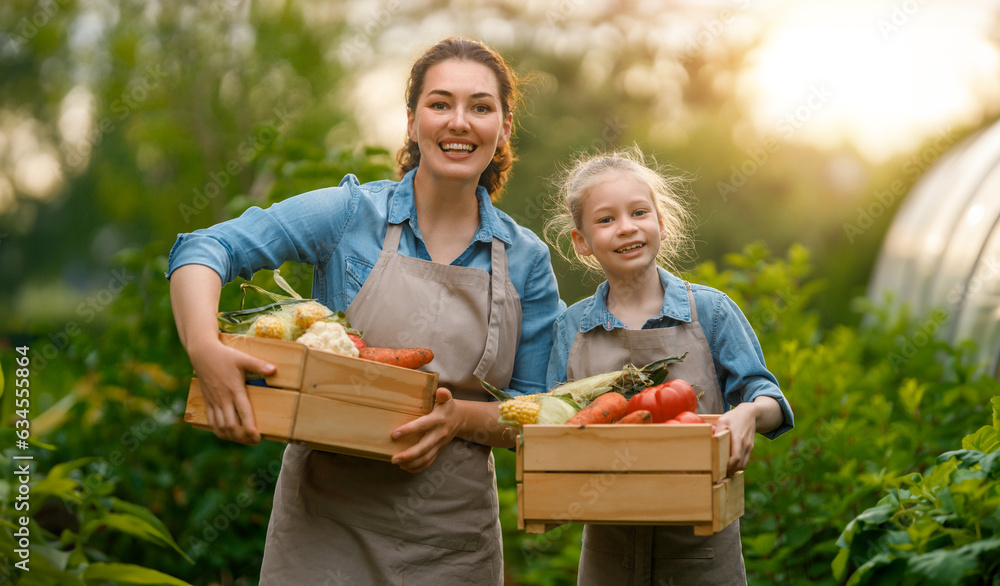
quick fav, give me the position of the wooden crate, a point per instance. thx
(638, 474)
(327, 401)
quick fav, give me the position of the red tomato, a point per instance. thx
(688, 417)
(358, 342)
(687, 392)
(665, 401)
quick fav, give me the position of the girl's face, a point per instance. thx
(620, 227)
(458, 122)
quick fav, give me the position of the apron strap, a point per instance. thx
(498, 289)
(694, 308)
(643, 553)
(498, 280)
(389, 246)
(391, 241)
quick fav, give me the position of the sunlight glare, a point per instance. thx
(891, 78)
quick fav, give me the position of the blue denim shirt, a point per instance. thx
(738, 358)
(339, 230)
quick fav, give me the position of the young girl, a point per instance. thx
(621, 217)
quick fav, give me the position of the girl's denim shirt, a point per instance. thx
(340, 230)
(738, 358)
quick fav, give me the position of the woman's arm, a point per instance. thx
(194, 297)
(474, 421)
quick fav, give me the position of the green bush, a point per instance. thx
(942, 527)
(871, 403)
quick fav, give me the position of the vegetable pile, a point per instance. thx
(308, 322)
(630, 395)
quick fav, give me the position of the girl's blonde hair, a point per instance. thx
(666, 189)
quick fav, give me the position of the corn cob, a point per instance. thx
(309, 313)
(519, 411)
(270, 326)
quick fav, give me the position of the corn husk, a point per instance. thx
(295, 312)
(628, 381)
(567, 399)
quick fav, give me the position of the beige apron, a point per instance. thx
(346, 520)
(633, 555)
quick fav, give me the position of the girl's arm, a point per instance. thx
(744, 421)
(194, 297)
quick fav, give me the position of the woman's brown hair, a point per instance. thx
(498, 171)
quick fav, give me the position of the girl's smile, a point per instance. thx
(619, 227)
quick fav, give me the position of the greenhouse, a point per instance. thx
(941, 255)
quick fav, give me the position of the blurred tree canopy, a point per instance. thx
(125, 123)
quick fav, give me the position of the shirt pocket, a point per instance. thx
(357, 273)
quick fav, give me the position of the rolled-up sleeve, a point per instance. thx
(739, 361)
(266, 238)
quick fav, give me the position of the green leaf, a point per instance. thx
(881, 569)
(942, 566)
(967, 457)
(839, 564)
(127, 574)
(911, 393)
(135, 526)
(146, 515)
(876, 515)
(986, 439)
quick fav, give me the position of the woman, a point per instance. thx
(423, 261)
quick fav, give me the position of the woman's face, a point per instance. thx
(458, 122)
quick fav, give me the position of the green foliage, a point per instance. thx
(57, 526)
(870, 403)
(942, 527)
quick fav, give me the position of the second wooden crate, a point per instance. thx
(645, 474)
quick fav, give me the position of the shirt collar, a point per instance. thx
(676, 304)
(403, 208)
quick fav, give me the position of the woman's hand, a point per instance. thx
(436, 429)
(221, 372)
(743, 422)
(194, 298)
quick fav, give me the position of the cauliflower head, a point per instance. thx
(329, 336)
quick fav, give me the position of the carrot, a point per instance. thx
(640, 416)
(606, 408)
(405, 357)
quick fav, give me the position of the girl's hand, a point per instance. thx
(221, 374)
(741, 421)
(436, 429)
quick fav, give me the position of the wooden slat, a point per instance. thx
(720, 455)
(288, 357)
(519, 461)
(621, 498)
(337, 426)
(363, 382)
(273, 410)
(727, 504)
(621, 448)
(520, 507)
